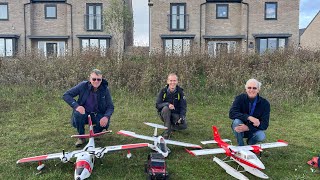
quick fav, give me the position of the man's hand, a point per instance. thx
(171, 106)
(104, 121)
(81, 110)
(241, 128)
(255, 121)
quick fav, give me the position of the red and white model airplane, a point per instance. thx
(85, 157)
(160, 144)
(243, 155)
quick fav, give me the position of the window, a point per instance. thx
(7, 47)
(177, 46)
(216, 48)
(4, 15)
(52, 48)
(95, 44)
(270, 11)
(50, 11)
(222, 11)
(94, 17)
(271, 44)
(177, 17)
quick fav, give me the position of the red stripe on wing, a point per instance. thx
(132, 146)
(30, 159)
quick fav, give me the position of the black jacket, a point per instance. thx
(240, 110)
(176, 98)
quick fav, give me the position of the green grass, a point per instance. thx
(35, 121)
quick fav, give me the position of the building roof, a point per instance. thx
(310, 22)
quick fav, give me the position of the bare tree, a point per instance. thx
(118, 20)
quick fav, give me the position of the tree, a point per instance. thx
(118, 20)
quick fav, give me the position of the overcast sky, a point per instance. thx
(308, 9)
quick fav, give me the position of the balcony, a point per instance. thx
(178, 22)
(93, 22)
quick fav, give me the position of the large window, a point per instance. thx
(178, 47)
(95, 44)
(271, 10)
(52, 48)
(94, 17)
(7, 47)
(270, 44)
(50, 11)
(217, 48)
(4, 15)
(222, 11)
(178, 17)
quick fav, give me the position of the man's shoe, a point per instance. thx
(80, 142)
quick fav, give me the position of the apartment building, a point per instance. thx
(310, 38)
(55, 27)
(213, 26)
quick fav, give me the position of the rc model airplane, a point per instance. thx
(85, 157)
(160, 144)
(243, 155)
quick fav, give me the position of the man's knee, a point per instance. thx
(235, 123)
(260, 136)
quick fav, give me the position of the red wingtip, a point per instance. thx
(190, 152)
(280, 140)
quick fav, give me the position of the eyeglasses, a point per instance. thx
(96, 79)
(254, 88)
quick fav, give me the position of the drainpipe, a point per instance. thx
(25, 28)
(201, 25)
(247, 39)
(71, 28)
(150, 4)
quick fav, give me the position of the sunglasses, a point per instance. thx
(254, 88)
(96, 79)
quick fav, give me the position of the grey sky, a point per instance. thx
(308, 9)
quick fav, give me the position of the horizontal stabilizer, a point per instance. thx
(230, 170)
(155, 125)
(91, 134)
(213, 141)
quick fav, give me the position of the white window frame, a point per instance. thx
(212, 46)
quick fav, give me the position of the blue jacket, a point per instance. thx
(105, 104)
(177, 99)
(240, 110)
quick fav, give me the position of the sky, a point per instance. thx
(308, 9)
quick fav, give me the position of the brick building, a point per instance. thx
(214, 26)
(310, 38)
(55, 27)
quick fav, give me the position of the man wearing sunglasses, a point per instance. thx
(94, 99)
(250, 114)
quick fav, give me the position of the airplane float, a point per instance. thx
(160, 144)
(245, 156)
(85, 157)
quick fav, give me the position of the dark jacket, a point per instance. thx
(240, 110)
(176, 98)
(105, 104)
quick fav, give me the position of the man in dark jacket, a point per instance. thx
(172, 106)
(250, 114)
(94, 99)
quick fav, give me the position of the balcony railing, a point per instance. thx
(93, 22)
(178, 22)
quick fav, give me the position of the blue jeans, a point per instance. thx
(253, 138)
(79, 120)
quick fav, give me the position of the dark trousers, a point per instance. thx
(79, 121)
(170, 120)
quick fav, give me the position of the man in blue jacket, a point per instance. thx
(172, 106)
(250, 114)
(94, 99)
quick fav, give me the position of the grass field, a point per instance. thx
(35, 121)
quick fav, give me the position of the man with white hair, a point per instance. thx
(250, 114)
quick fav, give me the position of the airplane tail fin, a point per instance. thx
(91, 133)
(216, 135)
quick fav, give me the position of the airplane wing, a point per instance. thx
(49, 156)
(280, 143)
(132, 134)
(121, 147)
(178, 143)
(206, 151)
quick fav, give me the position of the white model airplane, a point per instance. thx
(160, 144)
(243, 155)
(85, 157)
